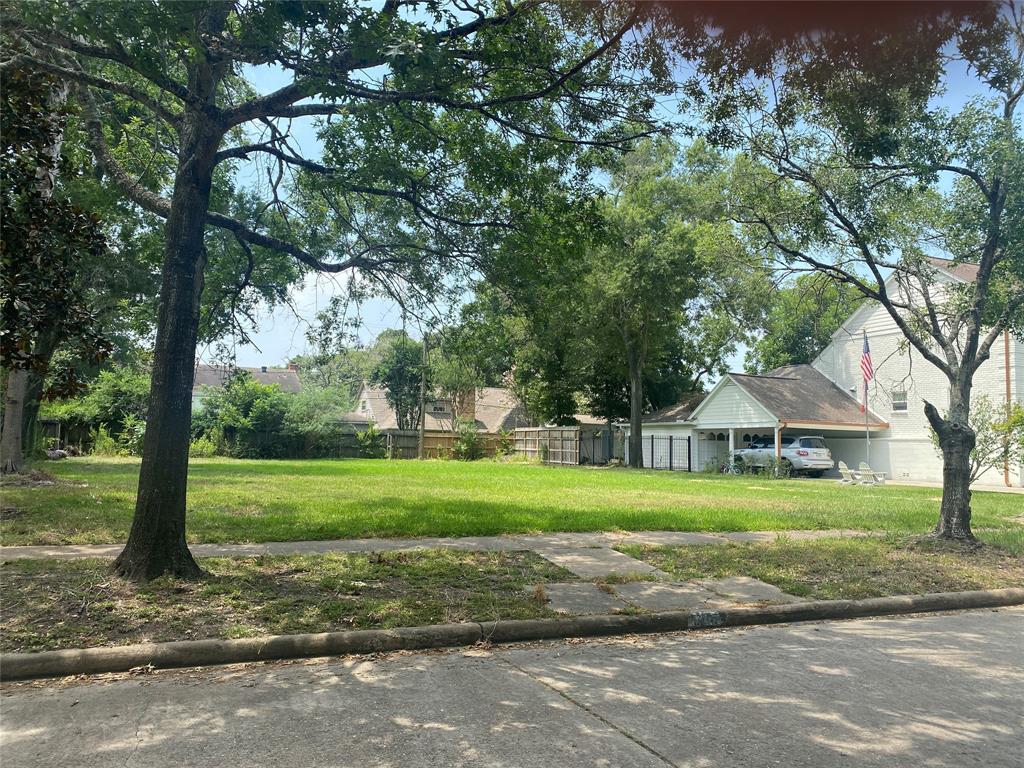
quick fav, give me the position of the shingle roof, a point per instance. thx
(677, 412)
(966, 272)
(496, 409)
(207, 375)
(801, 393)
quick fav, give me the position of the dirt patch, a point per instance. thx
(34, 478)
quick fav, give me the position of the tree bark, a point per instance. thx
(156, 544)
(636, 408)
(956, 440)
(11, 449)
(46, 346)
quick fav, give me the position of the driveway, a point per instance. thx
(937, 690)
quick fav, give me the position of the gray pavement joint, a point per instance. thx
(591, 712)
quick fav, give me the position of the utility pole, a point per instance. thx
(423, 400)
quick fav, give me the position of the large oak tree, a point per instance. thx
(439, 125)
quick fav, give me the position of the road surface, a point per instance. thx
(937, 690)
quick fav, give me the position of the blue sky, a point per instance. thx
(281, 334)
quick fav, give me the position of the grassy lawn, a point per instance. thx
(251, 501)
(829, 569)
(75, 604)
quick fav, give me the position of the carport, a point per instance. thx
(793, 400)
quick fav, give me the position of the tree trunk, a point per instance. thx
(46, 345)
(956, 440)
(636, 409)
(11, 452)
(156, 544)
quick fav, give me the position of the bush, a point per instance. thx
(372, 442)
(469, 443)
(103, 444)
(245, 419)
(775, 469)
(115, 401)
(202, 448)
(133, 433)
(504, 445)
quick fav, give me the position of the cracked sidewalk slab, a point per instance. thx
(744, 589)
(658, 596)
(598, 562)
(581, 598)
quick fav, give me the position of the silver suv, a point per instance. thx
(808, 454)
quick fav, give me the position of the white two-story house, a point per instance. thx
(824, 399)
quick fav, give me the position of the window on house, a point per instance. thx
(438, 409)
(899, 400)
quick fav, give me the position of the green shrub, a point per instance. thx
(373, 443)
(775, 469)
(202, 448)
(504, 445)
(469, 442)
(103, 444)
(133, 432)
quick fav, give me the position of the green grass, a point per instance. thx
(250, 501)
(829, 569)
(74, 604)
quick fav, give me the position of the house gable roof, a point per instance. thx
(677, 412)
(709, 398)
(497, 409)
(207, 375)
(802, 394)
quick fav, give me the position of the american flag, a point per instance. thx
(867, 369)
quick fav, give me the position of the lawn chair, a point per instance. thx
(869, 476)
(849, 476)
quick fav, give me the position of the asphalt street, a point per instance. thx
(933, 691)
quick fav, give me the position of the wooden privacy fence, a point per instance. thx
(563, 445)
(404, 444)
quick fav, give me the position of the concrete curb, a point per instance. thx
(195, 653)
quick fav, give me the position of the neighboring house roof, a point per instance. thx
(801, 394)
(207, 375)
(495, 408)
(966, 272)
(354, 418)
(677, 412)
(586, 420)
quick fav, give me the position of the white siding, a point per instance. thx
(729, 406)
(905, 450)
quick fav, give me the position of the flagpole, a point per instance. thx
(868, 373)
(867, 431)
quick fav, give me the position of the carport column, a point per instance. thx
(778, 442)
(732, 444)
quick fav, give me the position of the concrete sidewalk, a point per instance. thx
(549, 542)
(943, 690)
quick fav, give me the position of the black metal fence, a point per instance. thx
(668, 452)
